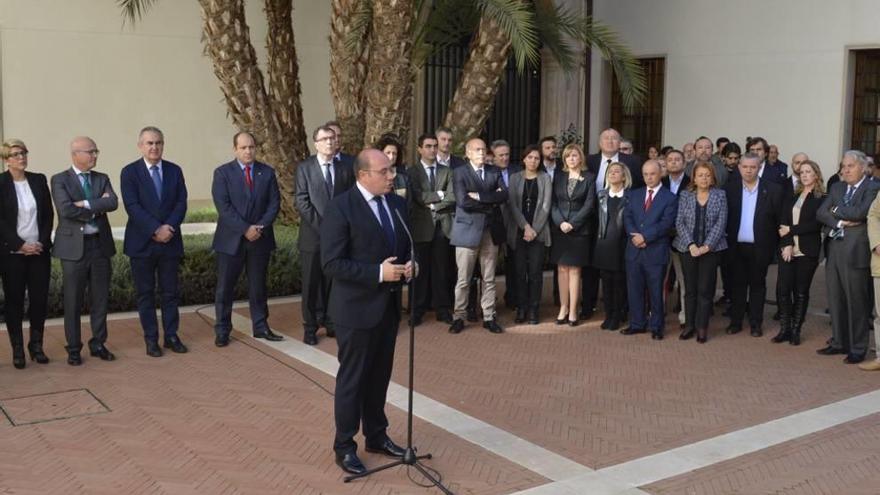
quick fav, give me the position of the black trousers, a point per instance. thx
(315, 291)
(795, 278)
(229, 269)
(31, 274)
(144, 272)
(614, 294)
(366, 356)
(589, 289)
(700, 275)
(529, 262)
(749, 272)
(433, 286)
(511, 277)
(726, 275)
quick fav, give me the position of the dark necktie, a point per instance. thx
(247, 177)
(157, 180)
(431, 179)
(482, 177)
(87, 192)
(850, 190)
(328, 179)
(650, 200)
(385, 220)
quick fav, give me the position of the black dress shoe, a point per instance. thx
(657, 335)
(757, 332)
(351, 464)
(493, 326)
(388, 447)
(268, 335)
(854, 358)
(585, 315)
(103, 353)
(221, 340)
(574, 323)
(416, 320)
(686, 334)
(830, 351)
(37, 354)
(613, 325)
(18, 357)
(309, 338)
(175, 345)
(605, 324)
(457, 326)
(330, 332)
(153, 349)
(520, 316)
(561, 321)
(445, 317)
(74, 359)
(632, 331)
(533, 317)
(733, 329)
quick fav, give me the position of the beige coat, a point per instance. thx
(874, 235)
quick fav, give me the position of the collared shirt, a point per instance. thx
(427, 167)
(26, 225)
(655, 189)
(674, 185)
(374, 207)
(88, 228)
(442, 160)
(618, 194)
(505, 174)
(551, 170)
(761, 170)
(150, 171)
(854, 190)
(747, 213)
(603, 166)
(324, 163)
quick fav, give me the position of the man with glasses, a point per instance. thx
(84, 243)
(340, 156)
(318, 179)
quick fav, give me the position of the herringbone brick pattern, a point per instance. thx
(238, 420)
(836, 461)
(601, 398)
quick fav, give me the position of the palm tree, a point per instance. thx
(274, 116)
(349, 54)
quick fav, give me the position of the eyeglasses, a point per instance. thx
(89, 152)
(18, 154)
(385, 171)
(328, 139)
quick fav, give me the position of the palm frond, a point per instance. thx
(627, 70)
(362, 20)
(558, 27)
(441, 24)
(134, 10)
(517, 19)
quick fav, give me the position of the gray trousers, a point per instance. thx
(92, 271)
(849, 301)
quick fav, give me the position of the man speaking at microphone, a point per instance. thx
(366, 251)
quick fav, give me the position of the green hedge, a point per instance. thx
(207, 214)
(198, 274)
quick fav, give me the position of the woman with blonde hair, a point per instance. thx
(611, 242)
(574, 202)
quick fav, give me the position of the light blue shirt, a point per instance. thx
(747, 216)
(374, 207)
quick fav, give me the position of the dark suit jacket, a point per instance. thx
(654, 225)
(473, 216)
(855, 239)
(353, 247)
(685, 180)
(808, 229)
(768, 214)
(777, 173)
(310, 197)
(67, 190)
(238, 208)
(456, 161)
(632, 162)
(579, 209)
(346, 161)
(146, 212)
(9, 238)
(422, 218)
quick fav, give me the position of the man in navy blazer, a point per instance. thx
(154, 195)
(246, 196)
(648, 218)
(365, 250)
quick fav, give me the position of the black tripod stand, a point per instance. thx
(409, 457)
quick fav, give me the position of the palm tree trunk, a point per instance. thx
(227, 43)
(348, 71)
(472, 103)
(389, 75)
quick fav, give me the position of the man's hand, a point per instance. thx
(474, 196)
(410, 270)
(565, 227)
(638, 240)
(392, 272)
(253, 233)
(105, 195)
(163, 234)
(529, 234)
(849, 223)
(784, 230)
(79, 204)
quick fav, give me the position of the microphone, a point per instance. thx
(412, 245)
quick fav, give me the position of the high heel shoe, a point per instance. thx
(36, 353)
(574, 323)
(686, 334)
(18, 357)
(562, 320)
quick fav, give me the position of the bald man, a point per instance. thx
(84, 243)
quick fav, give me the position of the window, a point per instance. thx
(643, 125)
(866, 102)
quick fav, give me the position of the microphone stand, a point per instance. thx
(409, 457)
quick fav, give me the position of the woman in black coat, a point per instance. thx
(26, 218)
(800, 234)
(611, 243)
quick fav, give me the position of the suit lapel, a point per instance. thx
(318, 176)
(144, 176)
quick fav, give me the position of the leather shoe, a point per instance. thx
(153, 349)
(37, 354)
(686, 334)
(657, 335)
(74, 359)
(520, 316)
(388, 447)
(351, 464)
(309, 338)
(632, 331)
(268, 335)
(872, 366)
(416, 320)
(103, 353)
(757, 332)
(330, 332)
(493, 326)
(733, 329)
(175, 345)
(854, 358)
(830, 351)
(445, 317)
(457, 326)
(221, 340)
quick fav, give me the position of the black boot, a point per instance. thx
(520, 315)
(17, 341)
(799, 313)
(533, 315)
(35, 346)
(785, 314)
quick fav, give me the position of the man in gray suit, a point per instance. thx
(84, 243)
(318, 179)
(848, 268)
(431, 223)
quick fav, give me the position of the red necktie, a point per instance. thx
(649, 200)
(247, 177)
